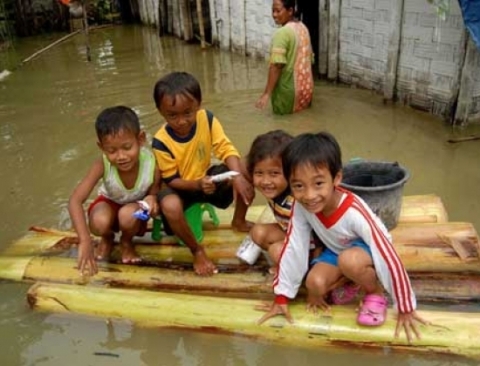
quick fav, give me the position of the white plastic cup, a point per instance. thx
(248, 251)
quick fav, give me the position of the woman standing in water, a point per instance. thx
(290, 79)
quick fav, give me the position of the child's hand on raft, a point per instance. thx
(206, 185)
(317, 302)
(86, 263)
(273, 310)
(202, 265)
(244, 188)
(407, 321)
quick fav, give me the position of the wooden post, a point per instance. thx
(200, 23)
(393, 49)
(323, 38)
(466, 84)
(333, 39)
(85, 29)
(213, 21)
(186, 20)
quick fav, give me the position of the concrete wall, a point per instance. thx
(363, 42)
(400, 48)
(432, 54)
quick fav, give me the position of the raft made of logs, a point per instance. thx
(440, 256)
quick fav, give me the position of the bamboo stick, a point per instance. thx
(439, 287)
(60, 40)
(450, 332)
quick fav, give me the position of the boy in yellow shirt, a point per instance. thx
(183, 148)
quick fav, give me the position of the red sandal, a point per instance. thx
(373, 310)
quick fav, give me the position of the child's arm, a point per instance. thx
(293, 263)
(240, 182)
(151, 197)
(75, 208)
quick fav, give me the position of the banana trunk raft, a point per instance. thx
(448, 333)
(441, 257)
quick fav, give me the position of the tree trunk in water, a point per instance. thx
(449, 332)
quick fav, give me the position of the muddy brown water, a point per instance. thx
(47, 110)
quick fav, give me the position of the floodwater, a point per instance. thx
(47, 110)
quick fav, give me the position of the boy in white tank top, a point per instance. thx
(128, 173)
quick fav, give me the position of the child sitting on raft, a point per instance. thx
(183, 147)
(358, 246)
(128, 174)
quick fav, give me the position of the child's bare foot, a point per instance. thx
(242, 226)
(129, 255)
(104, 249)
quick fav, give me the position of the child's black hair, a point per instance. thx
(177, 83)
(267, 145)
(317, 150)
(115, 119)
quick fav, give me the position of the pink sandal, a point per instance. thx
(373, 311)
(344, 294)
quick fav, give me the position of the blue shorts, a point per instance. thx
(330, 257)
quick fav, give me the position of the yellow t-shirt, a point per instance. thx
(189, 157)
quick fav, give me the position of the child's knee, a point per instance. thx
(316, 284)
(257, 233)
(353, 260)
(100, 225)
(171, 205)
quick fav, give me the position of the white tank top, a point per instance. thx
(112, 186)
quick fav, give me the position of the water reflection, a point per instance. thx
(47, 109)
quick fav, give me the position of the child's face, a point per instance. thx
(122, 149)
(314, 188)
(180, 113)
(268, 177)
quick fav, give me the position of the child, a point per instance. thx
(264, 164)
(358, 245)
(128, 173)
(183, 148)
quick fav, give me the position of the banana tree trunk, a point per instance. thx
(422, 247)
(449, 332)
(439, 287)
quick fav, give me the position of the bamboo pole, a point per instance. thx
(60, 40)
(449, 332)
(201, 24)
(243, 282)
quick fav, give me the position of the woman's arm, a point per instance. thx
(274, 72)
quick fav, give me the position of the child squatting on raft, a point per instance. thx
(264, 164)
(358, 246)
(183, 148)
(128, 174)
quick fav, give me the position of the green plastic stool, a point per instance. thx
(194, 217)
